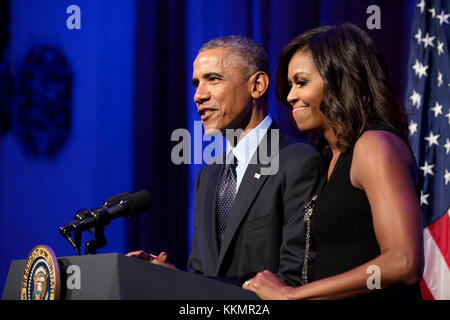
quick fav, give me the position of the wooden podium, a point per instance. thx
(117, 277)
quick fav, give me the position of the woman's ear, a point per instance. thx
(259, 82)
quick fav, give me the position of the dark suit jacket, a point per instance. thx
(266, 228)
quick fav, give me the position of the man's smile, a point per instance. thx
(206, 112)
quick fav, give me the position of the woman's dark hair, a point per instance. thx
(356, 89)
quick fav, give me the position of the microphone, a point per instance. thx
(121, 205)
(84, 213)
(114, 200)
(128, 205)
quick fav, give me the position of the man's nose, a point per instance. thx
(201, 94)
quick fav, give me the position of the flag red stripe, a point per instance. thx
(426, 293)
(440, 231)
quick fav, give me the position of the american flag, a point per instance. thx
(428, 108)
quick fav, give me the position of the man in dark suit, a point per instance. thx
(248, 207)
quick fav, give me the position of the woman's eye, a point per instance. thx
(298, 83)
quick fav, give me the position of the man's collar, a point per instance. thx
(247, 146)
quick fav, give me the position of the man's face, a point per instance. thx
(222, 93)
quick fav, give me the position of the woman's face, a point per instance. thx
(306, 92)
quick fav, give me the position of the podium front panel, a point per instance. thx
(117, 277)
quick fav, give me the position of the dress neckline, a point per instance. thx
(334, 169)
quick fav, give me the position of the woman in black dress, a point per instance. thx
(366, 228)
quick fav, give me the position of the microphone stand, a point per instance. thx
(99, 241)
(95, 220)
(75, 241)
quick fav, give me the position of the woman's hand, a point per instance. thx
(267, 286)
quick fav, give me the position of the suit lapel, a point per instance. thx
(210, 213)
(250, 185)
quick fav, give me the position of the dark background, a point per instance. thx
(131, 66)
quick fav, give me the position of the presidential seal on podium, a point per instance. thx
(41, 278)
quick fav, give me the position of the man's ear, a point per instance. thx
(259, 83)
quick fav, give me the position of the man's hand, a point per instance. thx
(161, 259)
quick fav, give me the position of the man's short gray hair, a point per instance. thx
(254, 56)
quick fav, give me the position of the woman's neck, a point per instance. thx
(332, 141)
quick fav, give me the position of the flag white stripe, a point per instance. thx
(436, 272)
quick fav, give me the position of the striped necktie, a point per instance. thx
(225, 194)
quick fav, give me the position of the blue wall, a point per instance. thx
(38, 194)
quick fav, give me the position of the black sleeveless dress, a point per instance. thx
(342, 229)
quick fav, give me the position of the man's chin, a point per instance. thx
(213, 132)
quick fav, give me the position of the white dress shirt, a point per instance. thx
(246, 147)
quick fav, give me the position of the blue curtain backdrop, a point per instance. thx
(131, 64)
(39, 193)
